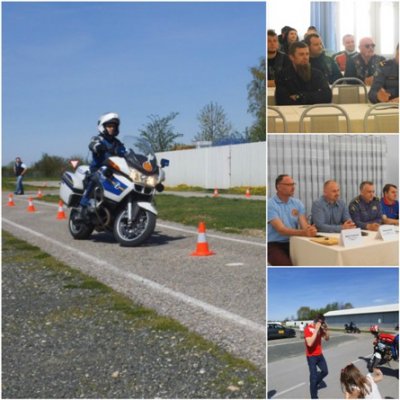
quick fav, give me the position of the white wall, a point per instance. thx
(217, 167)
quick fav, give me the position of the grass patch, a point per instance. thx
(256, 190)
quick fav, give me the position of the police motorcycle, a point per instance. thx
(383, 348)
(122, 198)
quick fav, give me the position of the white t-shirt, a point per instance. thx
(374, 394)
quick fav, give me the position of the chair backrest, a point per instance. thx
(275, 114)
(385, 117)
(324, 123)
(349, 93)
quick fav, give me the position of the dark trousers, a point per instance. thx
(279, 254)
(316, 376)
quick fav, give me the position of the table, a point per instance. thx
(356, 114)
(271, 95)
(372, 252)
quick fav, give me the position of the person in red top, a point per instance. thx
(313, 334)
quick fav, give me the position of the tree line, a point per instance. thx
(305, 313)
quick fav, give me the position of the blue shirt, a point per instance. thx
(329, 217)
(288, 213)
(363, 213)
(390, 210)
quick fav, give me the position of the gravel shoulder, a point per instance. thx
(65, 335)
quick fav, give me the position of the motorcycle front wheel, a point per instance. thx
(139, 231)
(373, 362)
(78, 229)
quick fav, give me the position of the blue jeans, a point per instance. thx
(315, 376)
(20, 187)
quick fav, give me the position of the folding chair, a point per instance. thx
(385, 117)
(350, 93)
(272, 125)
(324, 123)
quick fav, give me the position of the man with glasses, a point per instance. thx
(286, 217)
(364, 64)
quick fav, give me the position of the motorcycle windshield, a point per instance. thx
(140, 155)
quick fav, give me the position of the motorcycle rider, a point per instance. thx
(102, 147)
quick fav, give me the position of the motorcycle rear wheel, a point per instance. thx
(139, 232)
(78, 229)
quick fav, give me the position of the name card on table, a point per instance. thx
(386, 232)
(350, 237)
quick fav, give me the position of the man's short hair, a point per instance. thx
(346, 36)
(296, 45)
(387, 187)
(362, 184)
(307, 39)
(328, 182)
(312, 27)
(279, 179)
(271, 32)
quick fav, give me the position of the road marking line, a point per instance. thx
(238, 264)
(289, 390)
(216, 311)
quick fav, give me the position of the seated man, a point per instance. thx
(349, 50)
(364, 64)
(329, 212)
(319, 60)
(286, 217)
(365, 209)
(276, 59)
(390, 205)
(299, 83)
(385, 87)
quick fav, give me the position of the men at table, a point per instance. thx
(385, 87)
(349, 50)
(286, 217)
(319, 60)
(390, 205)
(329, 213)
(276, 59)
(365, 209)
(299, 83)
(364, 65)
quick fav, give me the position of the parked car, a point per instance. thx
(276, 331)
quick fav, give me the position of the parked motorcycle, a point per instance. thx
(122, 198)
(383, 348)
(351, 328)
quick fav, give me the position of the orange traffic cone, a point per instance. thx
(216, 194)
(39, 194)
(202, 245)
(31, 207)
(10, 200)
(61, 213)
(247, 193)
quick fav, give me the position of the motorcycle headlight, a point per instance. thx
(142, 179)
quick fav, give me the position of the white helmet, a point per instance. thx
(108, 118)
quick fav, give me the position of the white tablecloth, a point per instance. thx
(271, 95)
(356, 114)
(372, 252)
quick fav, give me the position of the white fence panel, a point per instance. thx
(217, 167)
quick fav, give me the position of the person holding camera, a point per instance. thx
(313, 334)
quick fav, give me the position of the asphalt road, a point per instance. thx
(288, 376)
(221, 297)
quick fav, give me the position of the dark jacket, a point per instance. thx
(103, 147)
(356, 67)
(327, 66)
(276, 64)
(386, 77)
(288, 83)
